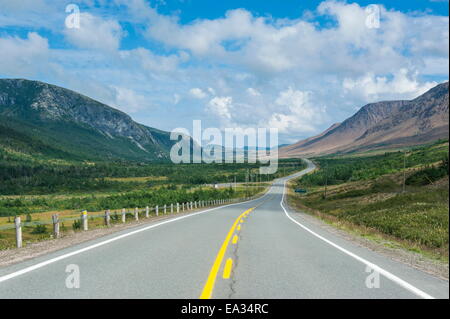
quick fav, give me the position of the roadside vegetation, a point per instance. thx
(36, 186)
(402, 198)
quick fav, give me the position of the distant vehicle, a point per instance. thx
(300, 190)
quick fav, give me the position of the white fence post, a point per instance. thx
(157, 210)
(147, 211)
(18, 231)
(171, 208)
(124, 215)
(178, 207)
(108, 218)
(84, 220)
(55, 220)
(136, 214)
(165, 209)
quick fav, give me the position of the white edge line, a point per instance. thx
(377, 268)
(79, 251)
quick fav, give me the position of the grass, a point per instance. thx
(69, 218)
(416, 220)
(373, 204)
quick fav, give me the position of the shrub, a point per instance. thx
(76, 224)
(39, 230)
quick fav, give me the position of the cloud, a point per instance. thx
(296, 112)
(403, 85)
(221, 107)
(95, 33)
(197, 93)
(22, 57)
(274, 46)
(128, 100)
(253, 92)
(144, 59)
(297, 74)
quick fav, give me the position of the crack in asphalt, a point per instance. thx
(235, 257)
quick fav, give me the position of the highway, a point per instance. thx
(255, 249)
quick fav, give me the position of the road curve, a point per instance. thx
(256, 249)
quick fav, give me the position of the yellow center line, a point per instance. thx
(227, 269)
(235, 239)
(239, 227)
(209, 285)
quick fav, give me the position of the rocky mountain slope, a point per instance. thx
(73, 124)
(382, 125)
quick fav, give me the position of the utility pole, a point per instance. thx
(404, 170)
(326, 181)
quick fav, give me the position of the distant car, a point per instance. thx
(300, 190)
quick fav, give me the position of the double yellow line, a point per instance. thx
(209, 285)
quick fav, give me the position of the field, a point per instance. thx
(374, 195)
(35, 188)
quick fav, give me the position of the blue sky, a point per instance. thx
(296, 65)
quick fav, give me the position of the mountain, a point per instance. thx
(37, 117)
(385, 124)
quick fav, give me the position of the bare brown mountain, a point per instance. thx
(382, 125)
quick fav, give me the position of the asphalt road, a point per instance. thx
(256, 249)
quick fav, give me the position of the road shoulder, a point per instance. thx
(386, 248)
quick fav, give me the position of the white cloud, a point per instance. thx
(23, 57)
(128, 100)
(245, 70)
(253, 92)
(374, 88)
(197, 93)
(144, 59)
(95, 33)
(176, 98)
(221, 107)
(296, 113)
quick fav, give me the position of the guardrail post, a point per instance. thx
(84, 220)
(178, 207)
(157, 210)
(192, 205)
(195, 204)
(136, 214)
(108, 218)
(55, 220)
(18, 231)
(124, 215)
(171, 208)
(165, 209)
(182, 207)
(147, 211)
